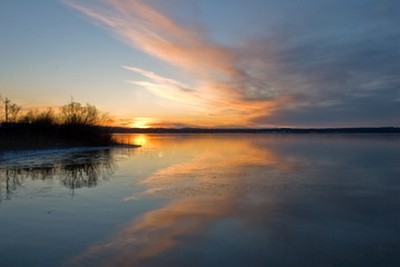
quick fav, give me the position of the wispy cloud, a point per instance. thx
(166, 87)
(222, 88)
(328, 66)
(146, 28)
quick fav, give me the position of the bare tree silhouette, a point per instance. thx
(11, 110)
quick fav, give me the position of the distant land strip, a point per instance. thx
(358, 130)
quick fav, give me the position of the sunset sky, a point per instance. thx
(207, 63)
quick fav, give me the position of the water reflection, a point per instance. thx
(207, 200)
(261, 198)
(72, 169)
(205, 183)
(219, 166)
(144, 240)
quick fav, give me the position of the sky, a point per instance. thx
(207, 63)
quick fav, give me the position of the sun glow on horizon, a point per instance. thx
(141, 122)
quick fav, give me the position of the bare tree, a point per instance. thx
(11, 110)
(34, 116)
(75, 113)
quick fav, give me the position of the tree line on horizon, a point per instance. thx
(72, 124)
(73, 113)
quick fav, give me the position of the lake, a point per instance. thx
(206, 200)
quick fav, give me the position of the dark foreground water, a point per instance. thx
(206, 200)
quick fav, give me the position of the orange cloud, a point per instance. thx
(222, 89)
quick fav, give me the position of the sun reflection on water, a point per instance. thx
(140, 139)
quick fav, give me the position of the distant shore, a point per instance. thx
(353, 130)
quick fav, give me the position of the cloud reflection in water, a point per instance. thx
(202, 188)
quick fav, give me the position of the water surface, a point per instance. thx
(207, 200)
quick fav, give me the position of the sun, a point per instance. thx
(141, 122)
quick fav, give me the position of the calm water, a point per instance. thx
(206, 200)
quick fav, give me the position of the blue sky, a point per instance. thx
(254, 63)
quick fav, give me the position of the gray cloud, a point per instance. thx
(342, 70)
(313, 63)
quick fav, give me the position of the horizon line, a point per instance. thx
(366, 129)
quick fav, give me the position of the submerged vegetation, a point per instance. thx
(73, 124)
